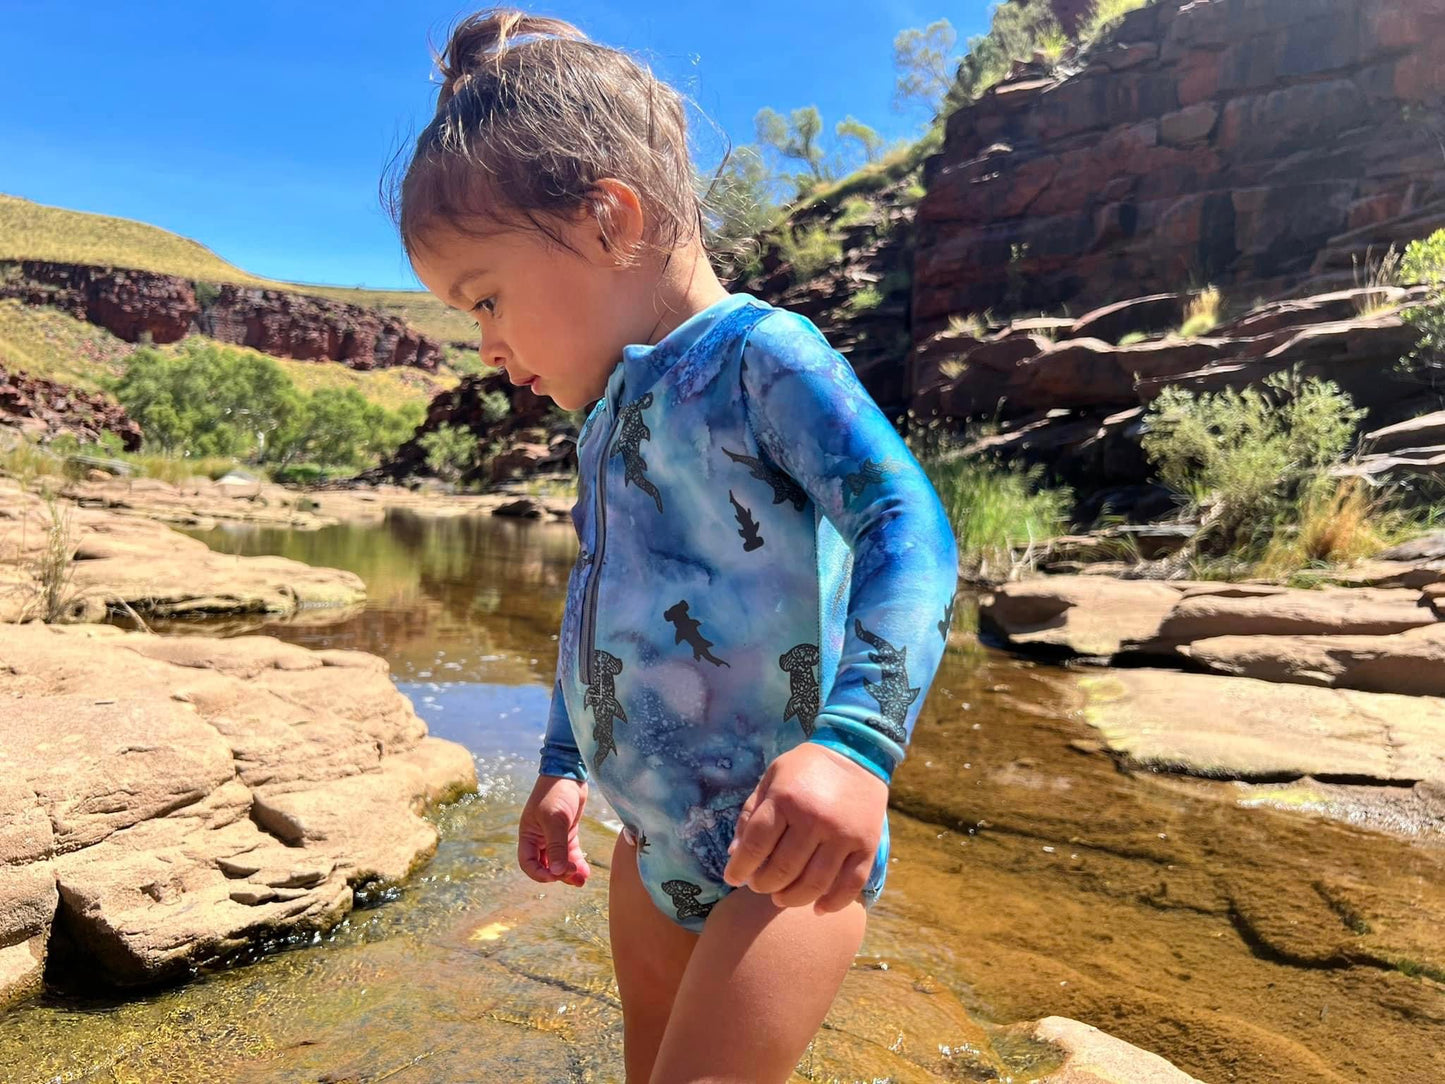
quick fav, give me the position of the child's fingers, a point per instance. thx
(755, 841)
(852, 876)
(790, 857)
(818, 876)
(529, 857)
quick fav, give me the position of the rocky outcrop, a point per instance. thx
(46, 408)
(112, 563)
(132, 304)
(1076, 403)
(862, 300)
(165, 802)
(1375, 639)
(529, 437)
(1247, 143)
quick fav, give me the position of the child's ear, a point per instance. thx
(620, 220)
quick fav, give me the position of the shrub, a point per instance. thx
(495, 406)
(451, 450)
(1001, 513)
(1202, 315)
(1247, 458)
(1375, 278)
(810, 252)
(1424, 260)
(864, 300)
(1104, 16)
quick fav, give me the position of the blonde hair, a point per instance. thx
(530, 116)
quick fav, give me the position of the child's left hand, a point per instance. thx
(809, 831)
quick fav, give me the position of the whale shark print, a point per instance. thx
(784, 488)
(798, 662)
(601, 697)
(947, 623)
(684, 898)
(892, 693)
(867, 474)
(633, 431)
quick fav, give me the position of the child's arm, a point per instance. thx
(547, 845)
(813, 419)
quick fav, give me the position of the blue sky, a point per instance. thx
(260, 129)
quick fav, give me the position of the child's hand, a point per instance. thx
(547, 847)
(809, 832)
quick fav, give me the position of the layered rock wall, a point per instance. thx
(1254, 144)
(130, 304)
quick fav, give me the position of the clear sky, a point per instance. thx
(260, 128)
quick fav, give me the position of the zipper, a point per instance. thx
(587, 634)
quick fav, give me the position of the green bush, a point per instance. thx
(495, 407)
(1104, 16)
(864, 300)
(451, 450)
(811, 251)
(1247, 459)
(1424, 260)
(1000, 512)
(205, 400)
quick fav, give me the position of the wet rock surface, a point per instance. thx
(187, 798)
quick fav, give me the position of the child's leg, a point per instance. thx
(649, 954)
(756, 990)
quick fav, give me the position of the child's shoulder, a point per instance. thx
(782, 338)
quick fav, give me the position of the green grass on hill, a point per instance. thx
(33, 231)
(48, 343)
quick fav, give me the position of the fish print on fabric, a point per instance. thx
(601, 697)
(689, 631)
(892, 693)
(798, 662)
(632, 432)
(684, 897)
(947, 623)
(784, 488)
(867, 474)
(747, 526)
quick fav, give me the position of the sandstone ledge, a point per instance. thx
(166, 802)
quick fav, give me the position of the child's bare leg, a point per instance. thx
(756, 990)
(649, 954)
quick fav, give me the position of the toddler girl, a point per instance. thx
(765, 581)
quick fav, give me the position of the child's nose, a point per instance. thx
(494, 354)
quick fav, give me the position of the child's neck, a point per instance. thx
(687, 286)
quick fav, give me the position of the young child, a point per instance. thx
(766, 577)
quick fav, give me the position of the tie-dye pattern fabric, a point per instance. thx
(762, 563)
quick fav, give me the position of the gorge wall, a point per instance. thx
(1253, 144)
(131, 304)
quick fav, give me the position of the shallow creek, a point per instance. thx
(1033, 876)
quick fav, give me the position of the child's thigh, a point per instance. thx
(650, 953)
(756, 990)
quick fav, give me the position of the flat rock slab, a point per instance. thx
(164, 802)
(1240, 728)
(1364, 612)
(1096, 1057)
(117, 561)
(1410, 662)
(1089, 615)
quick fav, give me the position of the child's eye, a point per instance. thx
(487, 303)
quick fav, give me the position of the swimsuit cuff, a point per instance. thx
(562, 765)
(863, 751)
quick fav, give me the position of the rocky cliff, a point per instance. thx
(48, 408)
(130, 304)
(1254, 144)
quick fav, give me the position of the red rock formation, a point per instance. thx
(50, 408)
(1250, 143)
(533, 436)
(131, 304)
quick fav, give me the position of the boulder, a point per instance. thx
(1363, 612)
(225, 792)
(1410, 662)
(1087, 615)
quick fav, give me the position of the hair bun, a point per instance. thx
(481, 38)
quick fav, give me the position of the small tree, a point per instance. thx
(795, 140)
(925, 64)
(451, 451)
(868, 140)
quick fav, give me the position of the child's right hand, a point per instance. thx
(547, 846)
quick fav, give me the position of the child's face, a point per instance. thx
(555, 319)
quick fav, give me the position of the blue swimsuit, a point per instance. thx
(763, 563)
